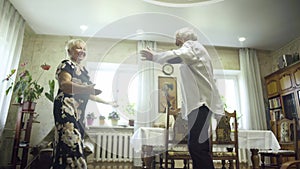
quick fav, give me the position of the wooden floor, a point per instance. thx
(101, 165)
(111, 166)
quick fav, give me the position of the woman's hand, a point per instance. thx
(113, 104)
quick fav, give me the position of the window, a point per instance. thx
(117, 82)
(228, 86)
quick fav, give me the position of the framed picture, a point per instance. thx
(167, 87)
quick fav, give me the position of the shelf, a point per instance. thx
(277, 108)
(25, 147)
(24, 121)
(29, 112)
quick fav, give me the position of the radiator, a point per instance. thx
(115, 147)
(112, 147)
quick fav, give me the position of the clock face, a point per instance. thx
(168, 69)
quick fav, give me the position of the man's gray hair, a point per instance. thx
(186, 34)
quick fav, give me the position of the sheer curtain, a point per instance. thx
(146, 91)
(251, 91)
(12, 27)
(146, 101)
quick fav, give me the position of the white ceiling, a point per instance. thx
(267, 24)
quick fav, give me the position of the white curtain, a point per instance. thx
(146, 103)
(251, 91)
(12, 27)
(146, 92)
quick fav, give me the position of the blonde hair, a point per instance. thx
(71, 43)
(186, 34)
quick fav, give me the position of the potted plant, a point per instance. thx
(27, 90)
(50, 95)
(90, 118)
(130, 109)
(102, 120)
(114, 117)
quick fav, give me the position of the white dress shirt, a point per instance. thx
(197, 80)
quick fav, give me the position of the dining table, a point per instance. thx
(147, 139)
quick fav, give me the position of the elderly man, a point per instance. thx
(200, 95)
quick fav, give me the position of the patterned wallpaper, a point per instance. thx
(290, 48)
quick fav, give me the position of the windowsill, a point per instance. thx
(109, 127)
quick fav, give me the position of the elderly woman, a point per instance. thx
(200, 96)
(75, 89)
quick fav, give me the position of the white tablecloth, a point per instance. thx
(259, 139)
(147, 136)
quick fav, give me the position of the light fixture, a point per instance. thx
(242, 39)
(83, 28)
(180, 3)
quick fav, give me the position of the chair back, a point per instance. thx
(180, 130)
(287, 134)
(224, 139)
(176, 146)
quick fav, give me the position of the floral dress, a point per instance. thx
(69, 113)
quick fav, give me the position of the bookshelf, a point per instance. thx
(283, 93)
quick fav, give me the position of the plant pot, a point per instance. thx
(28, 106)
(131, 122)
(90, 122)
(114, 122)
(101, 121)
(19, 100)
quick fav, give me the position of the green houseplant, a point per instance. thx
(130, 109)
(114, 117)
(90, 117)
(50, 95)
(26, 89)
(101, 120)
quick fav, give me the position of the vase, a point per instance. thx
(114, 122)
(101, 121)
(90, 121)
(131, 122)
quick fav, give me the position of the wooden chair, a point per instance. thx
(176, 147)
(286, 132)
(225, 137)
(290, 164)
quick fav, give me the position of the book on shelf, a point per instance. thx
(276, 114)
(274, 103)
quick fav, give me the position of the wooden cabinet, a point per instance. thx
(285, 81)
(296, 75)
(272, 86)
(283, 92)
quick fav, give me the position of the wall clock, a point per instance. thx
(168, 69)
